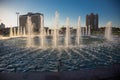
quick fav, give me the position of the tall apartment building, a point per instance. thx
(35, 19)
(92, 21)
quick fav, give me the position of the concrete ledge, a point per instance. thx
(103, 73)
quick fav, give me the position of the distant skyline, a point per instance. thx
(108, 10)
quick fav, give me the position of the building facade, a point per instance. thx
(92, 21)
(35, 19)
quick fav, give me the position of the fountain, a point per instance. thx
(14, 31)
(108, 34)
(55, 35)
(24, 31)
(52, 32)
(83, 31)
(22, 55)
(86, 31)
(42, 32)
(11, 32)
(21, 32)
(18, 32)
(48, 32)
(30, 32)
(89, 31)
(78, 36)
(67, 36)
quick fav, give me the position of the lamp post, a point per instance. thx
(17, 18)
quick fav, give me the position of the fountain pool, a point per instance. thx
(94, 52)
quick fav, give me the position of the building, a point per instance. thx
(92, 21)
(2, 25)
(35, 18)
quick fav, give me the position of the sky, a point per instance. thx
(108, 10)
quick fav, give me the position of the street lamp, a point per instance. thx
(17, 18)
